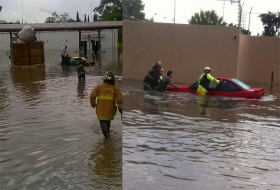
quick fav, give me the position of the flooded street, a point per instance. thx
(182, 141)
(49, 135)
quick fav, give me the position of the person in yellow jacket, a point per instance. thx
(109, 99)
(204, 80)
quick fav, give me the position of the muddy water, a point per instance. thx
(49, 135)
(181, 141)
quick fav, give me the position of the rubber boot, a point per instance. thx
(105, 130)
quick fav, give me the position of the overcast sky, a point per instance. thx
(184, 9)
(36, 11)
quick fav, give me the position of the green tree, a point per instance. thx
(77, 17)
(245, 32)
(88, 18)
(271, 23)
(64, 17)
(133, 10)
(95, 17)
(85, 18)
(207, 18)
(71, 20)
(55, 18)
(13, 22)
(109, 10)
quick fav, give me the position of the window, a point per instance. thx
(240, 83)
(228, 86)
(212, 85)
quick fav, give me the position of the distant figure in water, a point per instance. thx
(109, 98)
(65, 58)
(80, 68)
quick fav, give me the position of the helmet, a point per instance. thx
(207, 69)
(109, 76)
(157, 64)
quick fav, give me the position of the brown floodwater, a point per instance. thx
(182, 141)
(49, 135)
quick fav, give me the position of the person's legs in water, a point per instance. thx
(67, 59)
(161, 90)
(201, 91)
(83, 76)
(105, 127)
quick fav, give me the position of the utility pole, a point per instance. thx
(249, 22)
(240, 14)
(174, 10)
(224, 10)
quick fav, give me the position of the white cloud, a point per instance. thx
(184, 9)
(38, 10)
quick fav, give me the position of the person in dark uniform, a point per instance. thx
(152, 79)
(80, 68)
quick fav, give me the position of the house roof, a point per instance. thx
(63, 26)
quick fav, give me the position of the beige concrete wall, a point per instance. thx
(187, 49)
(258, 58)
(184, 49)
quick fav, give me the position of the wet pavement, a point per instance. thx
(49, 135)
(178, 141)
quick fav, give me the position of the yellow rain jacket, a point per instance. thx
(108, 96)
(203, 83)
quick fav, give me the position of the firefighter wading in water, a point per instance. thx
(152, 79)
(108, 95)
(204, 80)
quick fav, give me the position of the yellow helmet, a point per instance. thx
(109, 76)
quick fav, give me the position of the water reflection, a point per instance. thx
(81, 88)
(29, 81)
(67, 70)
(183, 141)
(107, 160)
(46, 121)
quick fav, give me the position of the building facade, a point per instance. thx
(186, 49)
(58, 39)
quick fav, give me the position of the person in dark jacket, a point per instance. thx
(166, 81)
(80, 68)
(152, 79)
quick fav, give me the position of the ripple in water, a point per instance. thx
(49, 135)
(180, 141)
